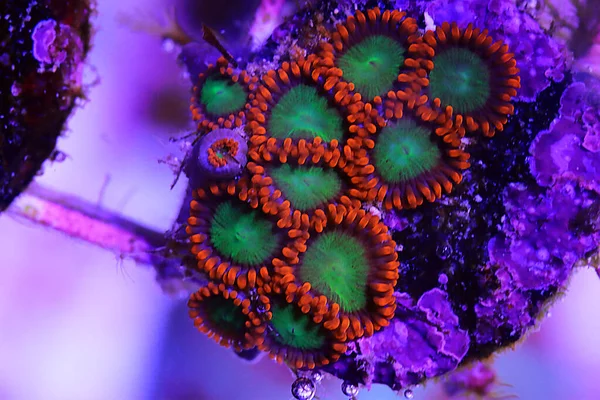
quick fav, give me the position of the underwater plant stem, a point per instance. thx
(88, 222)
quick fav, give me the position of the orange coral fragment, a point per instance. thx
(296, 357)
(411, 77)
(209, 260)
(504, 81)
(380, 281)
(275, 83)
(313, 154)
(208, 122)
(429, 186)
(220, 150)
(254, 327)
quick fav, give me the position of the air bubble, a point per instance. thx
(349, 389)
(168, 45)
(444, 251)
(303, 389)
(443, 279)
(317, 376)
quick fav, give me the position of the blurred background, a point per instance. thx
(78, 322)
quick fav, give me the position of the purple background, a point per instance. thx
(77, 323)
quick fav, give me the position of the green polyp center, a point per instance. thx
(336, 265)
(221, 96)
(225, 315)
(404, 151)
(461, 79)
(295, 329)
(373, 65)
(242, 234)
(306, 187)
(302, 114)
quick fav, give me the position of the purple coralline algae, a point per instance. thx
(57, 45)
(567, 150)
(570, 148)
(506, 308)
(423, 341)
(581, 102)
(545, 234)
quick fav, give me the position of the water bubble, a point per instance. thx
(15, 89)
(409, 394)
(303, 389)
(349, 389)
(317, 376)
(443, 279)
(543, 254)
(444, 251)
(168, 45)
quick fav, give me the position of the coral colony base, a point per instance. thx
(382, 191)
(410, 201)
